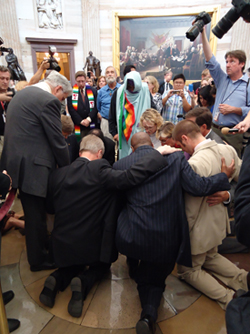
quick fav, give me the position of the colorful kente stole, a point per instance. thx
(126, 118)
(75, 96)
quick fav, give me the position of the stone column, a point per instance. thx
(91, 28)
(240, 34)
(9, 28)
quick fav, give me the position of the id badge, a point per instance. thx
(216, 116)
(4, 117)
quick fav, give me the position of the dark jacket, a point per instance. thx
(34, 144)
(83, 198)
(83, 109)
(153, 226)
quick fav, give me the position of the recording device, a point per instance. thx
(201, 19)
(176, 91)
(191, 87)
(226, 130)
(52, 61)
(241, 9)
(2, 49)
(88, 74)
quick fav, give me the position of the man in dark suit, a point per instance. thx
(82, 105)
(152, 226)
(33, 147)
(6, 95)
(166, 85)
(84, 201)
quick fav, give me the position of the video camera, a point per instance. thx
(241, 9)
(52, 61)
(2, 49)
(201, 19)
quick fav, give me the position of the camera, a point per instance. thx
(2, 49)
(201, 19)
(52, 61)
(241, 9)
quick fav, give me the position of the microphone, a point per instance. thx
(226, 131)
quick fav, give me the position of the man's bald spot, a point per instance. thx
(140, 139)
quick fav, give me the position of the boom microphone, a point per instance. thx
(226, 131)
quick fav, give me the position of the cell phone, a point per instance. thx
(191, 87)
(175, 91)
(89, 75)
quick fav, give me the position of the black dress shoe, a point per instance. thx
(145, 325)
(76, 301)
(48, 294)
(43, 266)
(8, 296)
(13, 324)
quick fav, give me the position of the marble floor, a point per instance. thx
(112, 306)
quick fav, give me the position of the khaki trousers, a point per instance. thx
(221, 268)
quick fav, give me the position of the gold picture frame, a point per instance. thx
(120, 16)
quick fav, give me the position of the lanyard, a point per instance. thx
(224, 99)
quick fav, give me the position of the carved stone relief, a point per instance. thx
(49, 14)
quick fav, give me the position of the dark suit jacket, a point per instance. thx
(84, 202)
(153, 225)
(4, 185)
(213, 136)
(34, 144)
(162, 87)
(73, 147)
(83, 110)
(242, 201)
(2, 109)
(109, 153)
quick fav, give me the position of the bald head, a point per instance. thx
(140, 139)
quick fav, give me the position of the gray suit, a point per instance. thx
(33, 147)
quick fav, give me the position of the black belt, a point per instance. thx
(221, 126)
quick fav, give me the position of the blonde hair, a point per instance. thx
(154, 82)
(153, 116)
(165, 131)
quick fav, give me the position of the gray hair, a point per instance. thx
(56, 79)
(92, 143)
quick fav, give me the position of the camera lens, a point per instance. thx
(193, 32)
(226, 23)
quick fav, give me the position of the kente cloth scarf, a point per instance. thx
(127, 117)
(75, 96)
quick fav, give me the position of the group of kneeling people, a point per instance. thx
(150, 206)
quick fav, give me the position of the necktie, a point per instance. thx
(83, 97)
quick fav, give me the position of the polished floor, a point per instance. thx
(112, 306)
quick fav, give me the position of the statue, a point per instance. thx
(97, 67)
(90, 62)
(14, 67)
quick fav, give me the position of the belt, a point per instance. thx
(221, 126)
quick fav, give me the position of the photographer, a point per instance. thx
(233, 92)
(177, 101)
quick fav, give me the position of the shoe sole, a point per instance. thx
(143, 328)
(75, 306)
(50, 283)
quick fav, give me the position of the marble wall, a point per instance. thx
(90, 23)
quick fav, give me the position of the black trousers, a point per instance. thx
(150, 279)
(35, 227)
(89, 276)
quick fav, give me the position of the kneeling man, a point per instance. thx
(208, 224)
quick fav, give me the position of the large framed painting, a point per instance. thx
(154, 43)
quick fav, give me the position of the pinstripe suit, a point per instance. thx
(153, 227)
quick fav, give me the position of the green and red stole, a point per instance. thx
(75, 96)
(126, 119)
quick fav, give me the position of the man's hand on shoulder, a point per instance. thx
(228, 170)
(166, 149)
